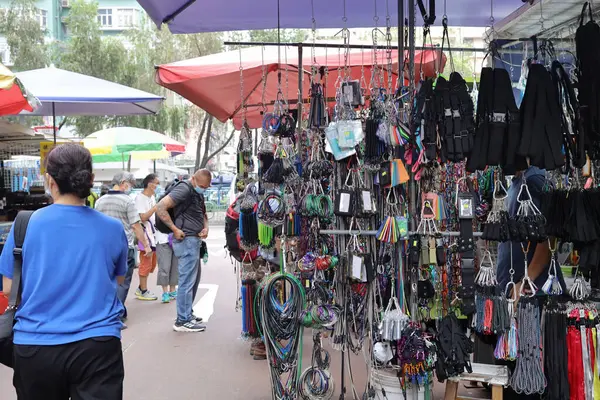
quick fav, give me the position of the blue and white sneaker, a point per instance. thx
(166, 298)
(173, 295)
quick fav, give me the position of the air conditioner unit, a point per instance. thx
(66, 3)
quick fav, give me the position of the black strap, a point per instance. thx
(428, 19)
(582, 17)
(19, 230)
(466, 248)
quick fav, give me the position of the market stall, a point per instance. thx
(64, 93)
(402, 227)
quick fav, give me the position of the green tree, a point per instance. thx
(87, 52)
(20, 25)
(286, 35)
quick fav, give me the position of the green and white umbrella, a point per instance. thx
(118, 144)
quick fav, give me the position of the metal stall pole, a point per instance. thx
(400, 43)
(300, 103)
(412, 185)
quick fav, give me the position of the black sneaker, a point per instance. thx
(189, 326)
(195, 319)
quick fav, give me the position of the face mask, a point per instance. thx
(128, 190)
(200, 190)
(47, 188)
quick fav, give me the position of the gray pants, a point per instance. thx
(123, 289)
(198, 276)
(168, 272)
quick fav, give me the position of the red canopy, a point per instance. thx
(213, 82)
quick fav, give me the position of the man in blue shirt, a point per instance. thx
(538, 256)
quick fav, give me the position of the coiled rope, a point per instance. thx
(282, 329)
(528, 377)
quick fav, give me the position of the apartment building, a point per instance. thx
(114, 17)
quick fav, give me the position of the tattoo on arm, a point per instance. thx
(162, 211)
(139, 233)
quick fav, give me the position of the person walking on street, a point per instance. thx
(67, 336)
(167, 275)
(146, 206)
(186, 199)
(118, 204)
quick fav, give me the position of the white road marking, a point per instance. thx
(205, 307)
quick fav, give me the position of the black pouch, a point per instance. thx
(425, 289)
(385, 174)
(513, 228)
(440, 252)
(414, 255)
(366, 203)
(344, 202)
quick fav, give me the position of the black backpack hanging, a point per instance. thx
(455, 111)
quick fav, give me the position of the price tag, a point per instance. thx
(465, 206)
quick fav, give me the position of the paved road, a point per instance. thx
(162, 364)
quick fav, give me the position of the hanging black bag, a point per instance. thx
(587, 38)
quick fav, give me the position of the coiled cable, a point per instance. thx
(282, 330)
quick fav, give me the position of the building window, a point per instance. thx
(105, 17)
(125, 17)
(43, 17)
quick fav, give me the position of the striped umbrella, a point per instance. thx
(118, 144)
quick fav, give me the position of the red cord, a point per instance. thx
(487, 318)
(576, 383)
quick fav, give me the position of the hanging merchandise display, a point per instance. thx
(588, 62)
(409, 227)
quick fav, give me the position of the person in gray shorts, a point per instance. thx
(167, 267)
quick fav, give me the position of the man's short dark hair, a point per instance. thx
(148, 180)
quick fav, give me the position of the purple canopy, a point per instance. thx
(231, 15)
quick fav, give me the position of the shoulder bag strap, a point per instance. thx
(20, 229)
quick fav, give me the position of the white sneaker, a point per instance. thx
(148, 296)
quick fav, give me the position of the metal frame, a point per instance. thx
(373, 233)
(353, 46)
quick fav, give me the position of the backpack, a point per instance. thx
(160, 225)
(7, 319)
(90, 201)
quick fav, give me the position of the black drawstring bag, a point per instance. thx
(497, 124)
(587, 38)
(541, 133)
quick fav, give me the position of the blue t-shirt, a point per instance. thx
(535, 178)
(72, 256)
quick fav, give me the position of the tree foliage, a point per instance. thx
(129, 60)
(272, 35)
(20, 25)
